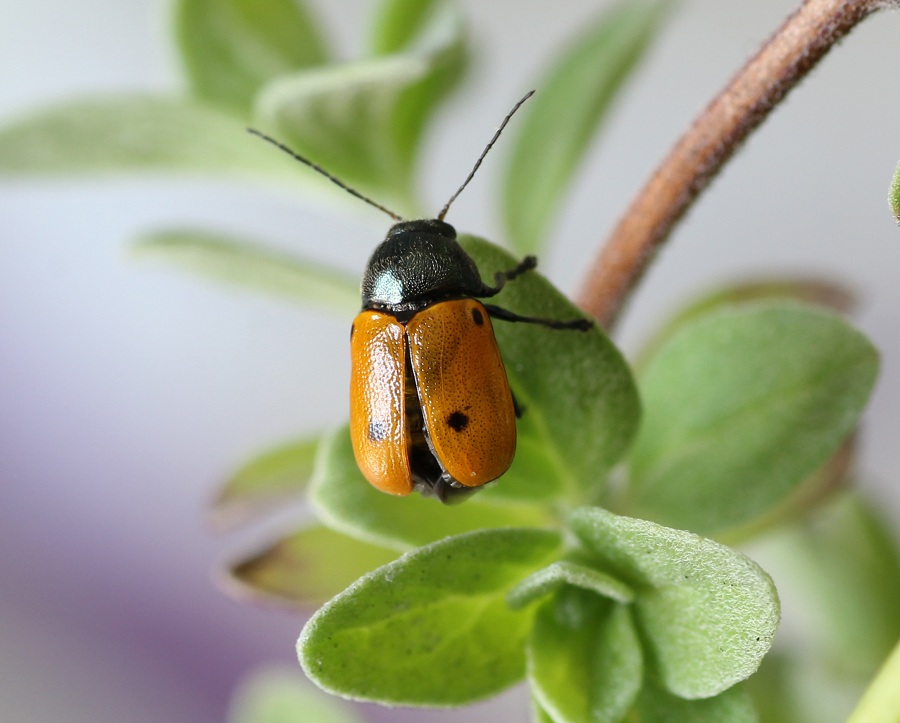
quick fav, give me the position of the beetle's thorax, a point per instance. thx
(418, 263)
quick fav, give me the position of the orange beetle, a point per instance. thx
(430, 405)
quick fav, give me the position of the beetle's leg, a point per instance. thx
(506, 315)
(501, 277)
(518, 409)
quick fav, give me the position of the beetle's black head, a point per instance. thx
(419, 263)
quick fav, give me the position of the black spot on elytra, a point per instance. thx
(352, 330)
(477, 317)
(377, 431)
(458, 421)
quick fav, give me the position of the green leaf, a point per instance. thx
(345, 501)
(812, 290)
(567, 572)
(843, 566)
(575, 387)
(656, 705)
(435, 29)
(230, 48)
(266, 481)
(281, 696)
(432, 628)
(350, 118)
(571, 102)
(304, 569)
(399, 22)
(881, 701)
(740, 407)
(894, 194)
(137, 133)
(242, 262)
(584, 659)
(708, 613)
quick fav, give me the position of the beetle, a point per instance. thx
(431, 409)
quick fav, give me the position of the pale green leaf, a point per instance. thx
(137, 133)
(708, 614)
(881, 701)
(282, 696)
(567, 572)
(894, 194)
(242, 262)
(345, 501)
(584, 659)
(741, 406)
(278, 475)
(571, 102)
(432, 628)
(656, 705)
(349, 118)
(230, 48)
(304, 569)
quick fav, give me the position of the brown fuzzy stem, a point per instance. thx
(714, 136)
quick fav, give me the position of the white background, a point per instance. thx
(128, 391)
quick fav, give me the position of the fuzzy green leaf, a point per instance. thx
(656, 705)
(230, 48)
(708, 613)
(137, 133)
(894, 194)
(348, 118)
(244, 263)
(277, 475)
(575, 387)
(345, 501)
(572, 101)
(584, 659)
(741, 406)
(567, 572)
(281, 696)
(432, 628)
(305, 569)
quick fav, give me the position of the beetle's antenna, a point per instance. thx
(440, 216)
(318, 169)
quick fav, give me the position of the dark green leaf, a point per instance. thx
(570, 104)
(277, 475)
(432, 628)
(567, 572)
(656, 705)
(741, 406)
(306, 568)
(242, 262)
(708, 613)
(230, 48)
(894, 194)
(575, 387)
(281, 696)
(584, 659)
(137, 133)
(346, 502)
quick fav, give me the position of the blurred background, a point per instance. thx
(129, 391)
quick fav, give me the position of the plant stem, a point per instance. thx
(791, 52)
